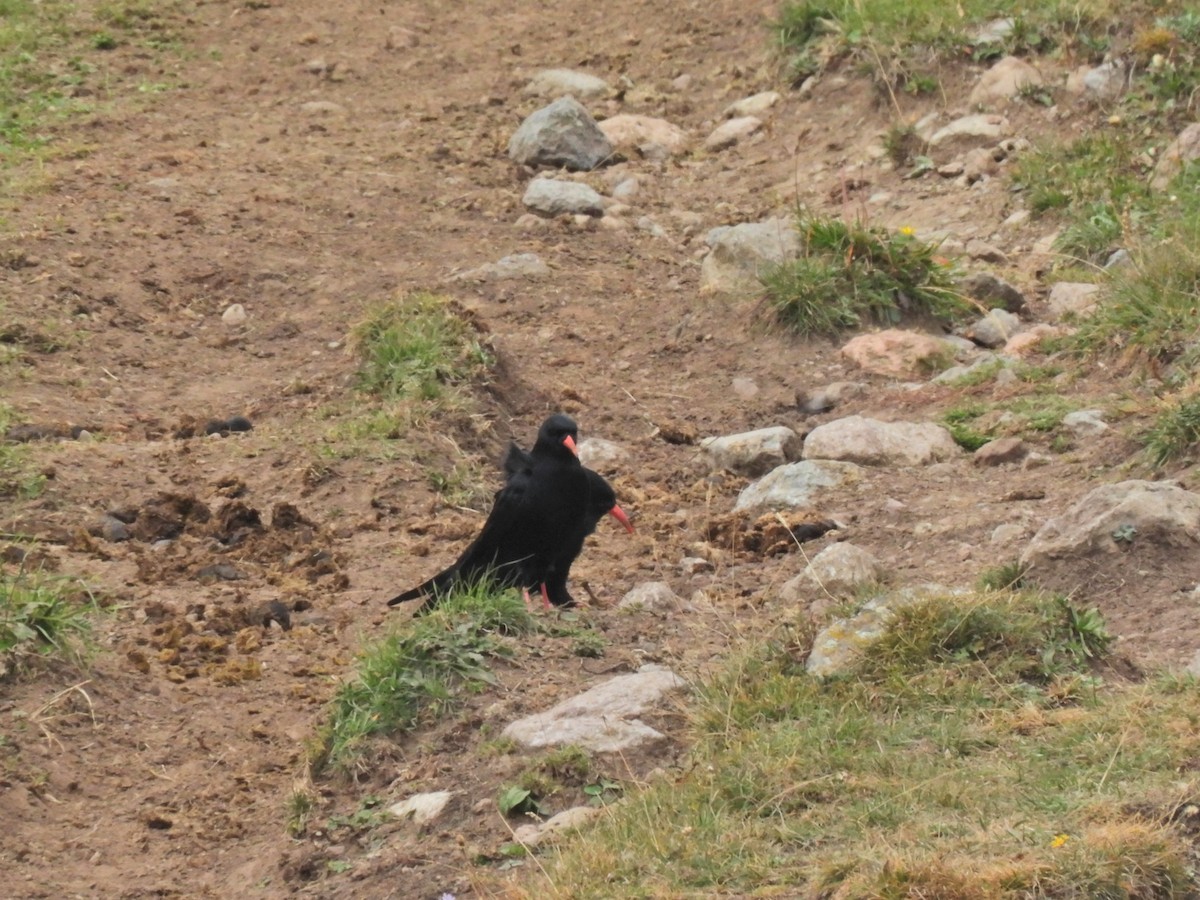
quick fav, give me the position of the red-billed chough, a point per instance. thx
(602, 501)
(539, 507)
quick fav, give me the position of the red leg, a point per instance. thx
(546, 597)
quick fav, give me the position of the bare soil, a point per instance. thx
(307, 161)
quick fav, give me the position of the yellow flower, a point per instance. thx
(907, 231)
(1059, 839)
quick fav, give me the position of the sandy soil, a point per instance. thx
(307, 161)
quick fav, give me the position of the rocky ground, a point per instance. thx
(306, 163)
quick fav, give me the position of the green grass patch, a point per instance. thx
(42, 617)
(972, 754)
(417, 672)
(959, 422)
(903, 41)
(1174, 431)
(849, 274)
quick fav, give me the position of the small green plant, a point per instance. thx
(850, 274)
(418, 671)
(42, 616)
(958, 421)
(515, 800)
(1124, 534)
(902, 144)
(300, 804)
(1005, 577)
(603, 792)
(589, 645)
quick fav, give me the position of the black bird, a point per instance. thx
(602, 501)
(539, 507)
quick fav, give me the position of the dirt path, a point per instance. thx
(306, 163)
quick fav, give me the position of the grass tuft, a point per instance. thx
(418, 348)
(418, 672)
(851, 274)
(41, 617)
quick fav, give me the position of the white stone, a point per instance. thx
(556, 83)
(752, 453)
(234, 314)
(732, 132)
(795, 485)
(421, 807)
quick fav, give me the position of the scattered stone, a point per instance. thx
(1086, 422)
(1006, 533)
(555, 83)
(732, 132)
(695, 565)
(752, 453)
(840, 570)
(1119, 258)
(1005, 80)
(986, 361)
(420, 808)
(952, 169)
(992, 291)
(754, 105)
(870, 442)
(994, 329)
(603, 719)
(561, 134)
(795, 484)
(974, 128)
(1001, 452)
(745, 388)
(994, 32)
(898, 353)
(551, 197)
(652, 596)
(602, 455)
(1181, 151)
(628, 132)
(1071, 298)
(1017, 219)
(235, 314)
(401, 38)
(518, 265)
(819, 400)
(740, 253)
(219, 572)
(111, 529)
(1102, 83)
(1028, 341)
(322, 108)
(534, 834)
(626, 189)
(985, 252)
(24, 434)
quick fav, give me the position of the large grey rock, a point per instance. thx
(561, 134)
(1086, 422)
(1115, 520)
(1099, 83)
(870, 442)
(837, 571)
(551, 197)
(604, 718)
(563, 82)
(752, 453)
(795, 484)
(741, 253)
